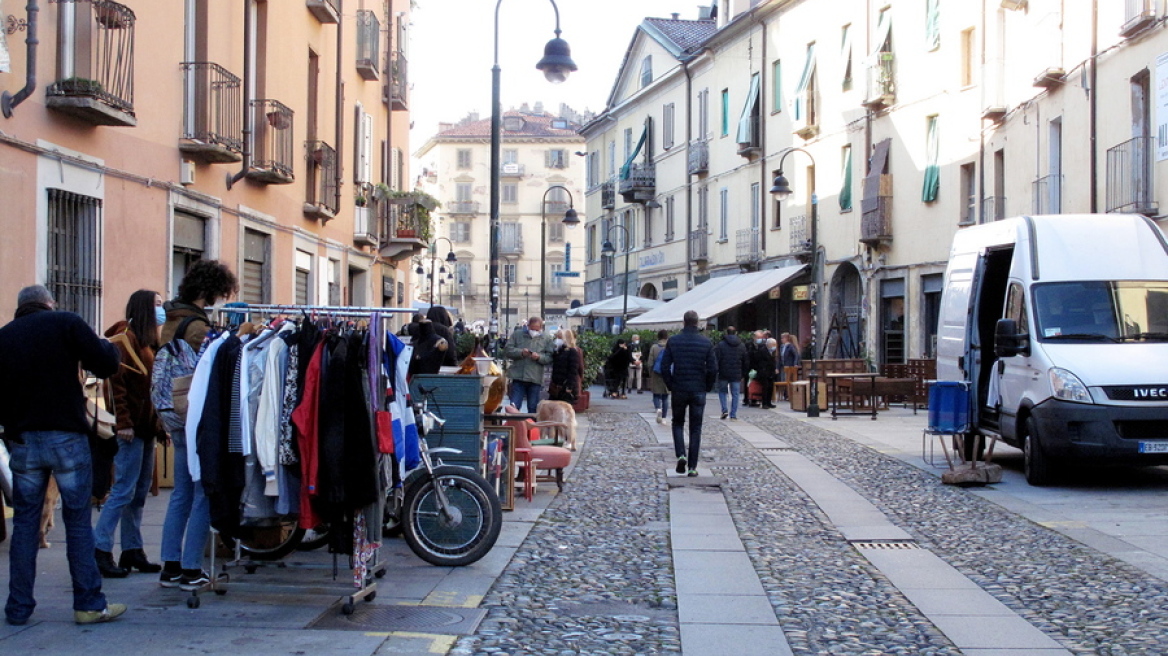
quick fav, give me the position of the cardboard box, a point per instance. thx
(800, 390)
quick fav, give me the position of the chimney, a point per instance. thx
(705, 13)
(676, 15)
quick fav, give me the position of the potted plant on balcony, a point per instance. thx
(419, 206)
(360, 201)
(79, 86)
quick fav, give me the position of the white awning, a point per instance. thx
(715, 296)
(615, 307)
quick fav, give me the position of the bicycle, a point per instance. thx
(452, 515)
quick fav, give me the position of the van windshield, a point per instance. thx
(1102, 311)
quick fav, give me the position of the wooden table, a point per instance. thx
(853, 384)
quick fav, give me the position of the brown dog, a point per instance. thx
(52, 494)
(562, 413)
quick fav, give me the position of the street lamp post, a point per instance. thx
(570, 218)
(781, 191)
(450, 258)
(610, 251)
(556, 65)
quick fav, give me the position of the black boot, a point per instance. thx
(107, 567)
(132, 559)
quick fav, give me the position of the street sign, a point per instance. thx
(566, 274)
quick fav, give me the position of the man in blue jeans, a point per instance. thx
(42, 409)
(529, 351)
(689, 368)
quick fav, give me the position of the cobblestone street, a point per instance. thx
(595, 574)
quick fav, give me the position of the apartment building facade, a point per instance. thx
(148, 135)
(912, 118)
(540, 178)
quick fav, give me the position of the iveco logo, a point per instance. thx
(1151, 393)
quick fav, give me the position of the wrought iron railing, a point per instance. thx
(751, 145)
(1048, 194)
(1130, 176)
(511, 245)
(368, 44)
(1137, 16)
(641, 183)
(326, 11)
(748, 247)
(699, 157)
(321, 190)
(876, 223)
(398, 87)
(365, 226)
(399, 219)
(271, 141)
(800, 234)
(211, 108)
(555, 208)
(102, 62)
(881, 90)
(699, 246)
(608, 195)
(462, 207)
(993, 208)
(512, 170)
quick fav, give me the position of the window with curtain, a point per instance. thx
(804, 92)
(845, 194)
(776, 86)
(748, 121)
(932, 24)
(846, 56)
(725, 112)
(932, 159)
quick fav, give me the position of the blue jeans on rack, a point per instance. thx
(188, 517)
(133, 475)
(65, 456)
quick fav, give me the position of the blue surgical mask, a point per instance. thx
(159, 314)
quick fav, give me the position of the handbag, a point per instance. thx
(97, 408)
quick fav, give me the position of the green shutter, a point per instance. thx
(776, 87)
(725, 112)
(932, 169)
(845, 195)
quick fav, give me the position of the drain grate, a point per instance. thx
(888, 544)
(425, 619)
(732, 467)
(776, 449)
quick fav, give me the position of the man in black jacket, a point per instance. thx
(689, 368)
(731, 354)
(42, 408)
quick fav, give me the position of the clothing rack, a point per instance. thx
(376, 567)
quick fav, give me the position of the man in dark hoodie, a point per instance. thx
(732, 361)
(42, 408)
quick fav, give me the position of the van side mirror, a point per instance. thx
(1008, 341)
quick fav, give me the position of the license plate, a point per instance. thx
(1153, 447)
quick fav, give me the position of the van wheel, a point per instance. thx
(1039, 470)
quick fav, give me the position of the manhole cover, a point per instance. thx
(428, 619)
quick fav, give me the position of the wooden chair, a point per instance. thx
(550, 459)
(790, 375)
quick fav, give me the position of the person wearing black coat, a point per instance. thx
(689, 368)
(616, 369)
(443, 326)
(732, 367)
(765, 362)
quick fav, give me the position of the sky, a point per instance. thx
(451, 53)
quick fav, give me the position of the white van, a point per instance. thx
(1059, 325)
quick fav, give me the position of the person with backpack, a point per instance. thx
(656, 381)
(188, 517)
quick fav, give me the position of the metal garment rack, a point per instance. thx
(376, 568)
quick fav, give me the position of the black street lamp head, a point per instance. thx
(450, 257)
(442, 269)
(557, 60)
(781, 188)
(570, 218)
(419, 270)
(608, 250)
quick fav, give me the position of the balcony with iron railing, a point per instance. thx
(271, 142)
(699, 246)
(462, 207)
(641, 184)
(404, 229)
(320, 200)
(799, 229)
(555, 208)
(752, 146)
(699, 157)
(512, 170)
(748, 246)
(993, 208)
(881, 89)
(212, 125)
(511, 245)
(1138, 16)
(876, 221)
(326, 11)
(1130, 176)
(608, 195)
(1048, 194)
(97, 78)
(368, 44)
(398, 86)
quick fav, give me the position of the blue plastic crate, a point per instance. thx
(949, 407)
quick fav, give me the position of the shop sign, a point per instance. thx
(775, 293)
(801, 293)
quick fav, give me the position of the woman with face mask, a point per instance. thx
(137, 427)
(567, 368)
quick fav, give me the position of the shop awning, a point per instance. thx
(715, 296)
(615, 307)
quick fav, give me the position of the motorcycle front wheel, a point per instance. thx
(462, 533)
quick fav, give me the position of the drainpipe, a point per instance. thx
(248, 86)
(979, 213)
(340, 111)
(762, 170)
(7, 101)
(688, 178)
(1093, 107)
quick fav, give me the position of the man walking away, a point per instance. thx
(42, 408)
(731, 354)
(656, 382)
(689, 367)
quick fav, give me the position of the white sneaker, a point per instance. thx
(660, 420)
